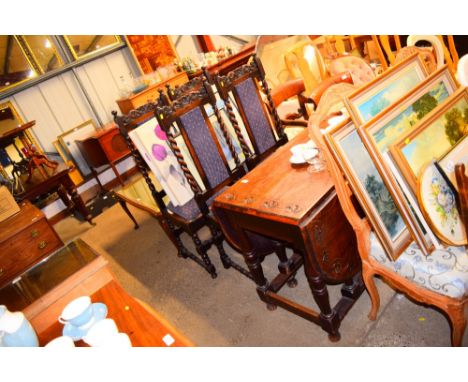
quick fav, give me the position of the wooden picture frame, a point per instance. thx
(428, 139)
(439, 206)
(458, 154)
(67, 141)
(372, 98)
(377, 208)
(384, 129)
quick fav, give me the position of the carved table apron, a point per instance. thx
(300, 208)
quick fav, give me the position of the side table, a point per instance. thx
(56, 180)
(76, 270)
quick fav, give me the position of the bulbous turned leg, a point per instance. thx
(292, 282)
(368, 278)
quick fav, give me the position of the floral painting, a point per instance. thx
(364, 169)
(437, 138)
(390, 93)
(387, 134)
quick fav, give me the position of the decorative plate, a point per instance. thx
(439, 206)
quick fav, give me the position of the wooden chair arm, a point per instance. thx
(287, 90)
(325, 84)
(462, 183)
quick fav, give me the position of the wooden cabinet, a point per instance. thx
(150, 94)
(25, 238)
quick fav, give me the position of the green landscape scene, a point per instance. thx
(367, 174)
(439, 137)
(398, 126)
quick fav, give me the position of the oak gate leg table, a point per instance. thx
(300, 208)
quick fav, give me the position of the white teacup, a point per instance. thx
(61, 342)
(117, 340)
(101, 332)
(78, 312)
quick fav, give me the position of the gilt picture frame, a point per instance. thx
(384, 129)
(372, 98)
(368, 187)
(432, 138)
(67, 141)
(458, 154)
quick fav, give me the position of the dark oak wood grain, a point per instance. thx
(292, 205)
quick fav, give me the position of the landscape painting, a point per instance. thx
(369, 187)
(389, 94)
(387, 134)
(369, 177)
(437, 138)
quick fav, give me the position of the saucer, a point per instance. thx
(78, 332)
(296, 159)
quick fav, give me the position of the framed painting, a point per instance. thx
(439, 205)
(75, 174)
(368, 187)
(382, 131)
(458, 154)
(370, 100)
(435, 135)
(153, 146)
(67, 141)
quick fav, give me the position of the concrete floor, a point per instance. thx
(227, 311)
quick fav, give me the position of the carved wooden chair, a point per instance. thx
(175, 220)
(262, 123)
(440, 279)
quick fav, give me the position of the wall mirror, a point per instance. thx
(43, 51)
(9, 118)
(15, 67)
(84, 45)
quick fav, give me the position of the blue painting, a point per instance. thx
(389, 94)
(370, 179)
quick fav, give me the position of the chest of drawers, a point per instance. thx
(25, 238)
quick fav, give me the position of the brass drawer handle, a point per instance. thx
(35, 233)
(42, 244)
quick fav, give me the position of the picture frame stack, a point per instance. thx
(395, 133)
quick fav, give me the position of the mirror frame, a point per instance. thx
(31, 63)
(23, 39)
(77, 57)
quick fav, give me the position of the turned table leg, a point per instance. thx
(79, 204)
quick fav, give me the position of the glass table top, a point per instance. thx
(138, 193)
(47, 274)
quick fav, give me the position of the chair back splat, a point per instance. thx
(263, 125)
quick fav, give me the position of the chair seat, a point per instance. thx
(190, 211)
(444, 271)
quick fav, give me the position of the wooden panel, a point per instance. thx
(104, 84)
(77, 96)
(34, 106)
(61, 103)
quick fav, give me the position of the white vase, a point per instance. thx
(17, 331)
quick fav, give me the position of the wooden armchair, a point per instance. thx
(444, 286)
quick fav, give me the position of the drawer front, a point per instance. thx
(334, 243)
(114, 145)
(25, 248)
(150, 95)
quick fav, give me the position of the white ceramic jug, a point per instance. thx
(17, 331)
